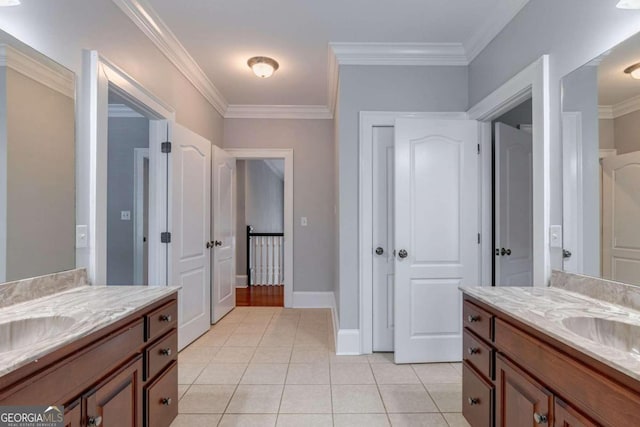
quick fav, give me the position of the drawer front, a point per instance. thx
(478, 354)
(162, 398)
(160, 354)
(477, 398)
(478, 320)
(161, 320)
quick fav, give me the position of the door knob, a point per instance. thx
(402, 253)
(504, 252)
(379, 251)
(217, 243)
(566, 253)
(209, 245)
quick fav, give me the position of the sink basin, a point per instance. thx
(610, 333)
(22, 333)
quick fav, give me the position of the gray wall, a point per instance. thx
(311, 141)
(627, 133)
(520, 115)
(125, 134)
(40, 179)
(378, 88)
(580, 94)
(572, 32)
(606, 134)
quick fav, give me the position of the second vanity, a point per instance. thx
(107, 354)
(549, 357)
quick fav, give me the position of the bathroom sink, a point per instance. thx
(610, 333)
(22, 333)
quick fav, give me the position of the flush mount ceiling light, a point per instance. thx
(628, 4)
(4, 3)
(633, 71)
(263, 66)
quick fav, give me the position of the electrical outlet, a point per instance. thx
(125, 215)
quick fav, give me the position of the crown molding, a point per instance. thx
(42, 70)
(500, 18)
(318, 112)
(618, 110)
(145, 18)
(123, 111)
(399, 53)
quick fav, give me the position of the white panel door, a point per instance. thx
(223, 295)
(620, 214)
(190, 230)
(513, 198)
(383, 259)
(436, 226)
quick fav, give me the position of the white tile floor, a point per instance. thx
(264, 366)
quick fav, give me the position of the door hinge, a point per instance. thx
(165, 147)
(478, 148)
(165, 237)
(479, 239)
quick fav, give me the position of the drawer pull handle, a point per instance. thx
(540, 418)
(473, 318)
(165, 352)
(474, 350)
(94, 421)
(474, 401)
(165, 318)
(166, 401)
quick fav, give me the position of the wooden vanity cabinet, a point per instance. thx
(110, 378)
(538, 381)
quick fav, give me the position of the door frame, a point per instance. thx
(287, 155)
(530, 83)
(369, 120)
(98, 77)
(139, 154)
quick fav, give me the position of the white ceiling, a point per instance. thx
(614, 86)
(221, 36)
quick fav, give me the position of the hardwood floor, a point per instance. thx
(260, 296)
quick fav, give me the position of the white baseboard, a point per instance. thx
(348, 342)
(241, 281)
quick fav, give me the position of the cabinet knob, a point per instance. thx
(165, 318)
(165, 352)
(473, 318)
(94, 421)
(473, 350)
(166, 401)
(540, 418)
(473, 401)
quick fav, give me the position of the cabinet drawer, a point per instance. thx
(478, 320)
(478, 354)
(162, 398)
(477, 398)
(161, 320)
(566, 416)
(161, 354)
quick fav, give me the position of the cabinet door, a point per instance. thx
(117, 401)
(566, 416)
(73, 414)
(521, 400)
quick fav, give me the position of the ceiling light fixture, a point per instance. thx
(4, 3)
(263, 66)
(633, 71)
(628, 4)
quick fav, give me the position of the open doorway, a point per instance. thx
(513, 197)
(260, 225)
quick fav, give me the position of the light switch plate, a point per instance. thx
(82, 236)
(303, 221)
(125, 215)
(555, 236)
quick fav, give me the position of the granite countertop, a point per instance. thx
(544, 309)
(89, 308)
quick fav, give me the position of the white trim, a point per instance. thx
(237, 111)
(532, 82)
(143, 15)
(139, 154)
(122, 111)
(618, 110)
(499, 19)
(399, 53)
(369, 120)
(348, 342)
(607, 152)
(572, 203)
(39, 68)
(241, 281)
(289, 177)
(333, 78)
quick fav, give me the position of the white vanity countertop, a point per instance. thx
(90, 309)
(544, 309)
